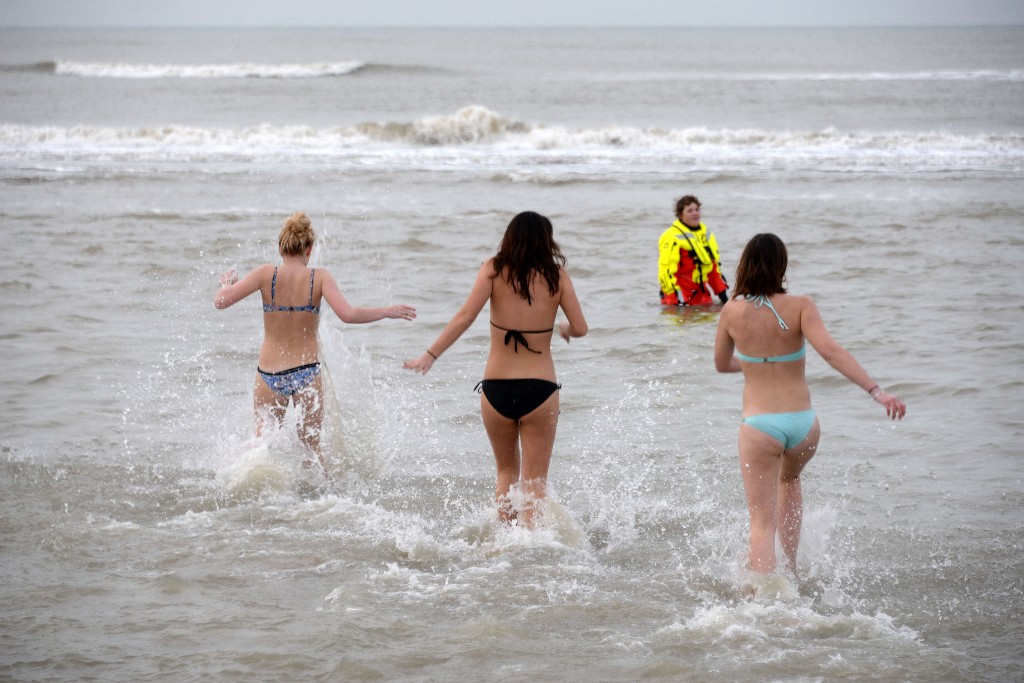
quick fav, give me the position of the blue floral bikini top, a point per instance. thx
(760, 301)
(308, 308)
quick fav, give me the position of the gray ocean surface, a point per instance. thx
(144, 533)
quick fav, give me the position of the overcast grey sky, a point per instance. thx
(511, 12)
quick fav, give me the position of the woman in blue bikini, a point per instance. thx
(779, 431)
(526, 284)
(289, 369)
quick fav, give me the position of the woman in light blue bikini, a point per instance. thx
(289, 369)
(779, 432)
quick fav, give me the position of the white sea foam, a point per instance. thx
(761, 619)
(987, 75)
(255, 473)
(978, 75)
(237, 70)
(476, 135)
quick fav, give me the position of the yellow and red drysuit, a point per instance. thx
(688, 263)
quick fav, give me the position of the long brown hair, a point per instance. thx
(529, 246)
(762, 267)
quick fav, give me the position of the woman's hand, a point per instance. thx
(422, 364)
(563, 331)
(228, 277)
(894, 407)
(400, 311)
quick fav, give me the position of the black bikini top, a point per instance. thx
(518, 338)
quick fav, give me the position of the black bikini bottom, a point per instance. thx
(514, 398)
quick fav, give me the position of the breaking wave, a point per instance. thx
(476, 134)
(977, 75)
(237, 70)
(329, 69)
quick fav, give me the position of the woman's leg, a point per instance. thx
(760, 462)
(310, 402)
(537, 433)
(790, 500)
(503, 434)
(267, 405)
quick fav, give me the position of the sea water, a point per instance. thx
(146, 534)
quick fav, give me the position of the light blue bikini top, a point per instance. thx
(760, 301)
(308, 308)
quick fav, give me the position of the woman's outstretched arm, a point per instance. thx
(356, 315)
(460, 322)
(232, 290)
(842, 360)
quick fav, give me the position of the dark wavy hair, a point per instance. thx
(684, 202)
(529, 246)
(762, 267)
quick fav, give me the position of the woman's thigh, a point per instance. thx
(760, 461)
(537, 435)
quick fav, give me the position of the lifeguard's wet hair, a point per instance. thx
(762, 267)
(529, 246)
(684, 202)
(297, 235)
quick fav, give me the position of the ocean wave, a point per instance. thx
(978, 75)
(986, 75)
(236, 70)
(35, 67)
(330, 69)
(478, 135)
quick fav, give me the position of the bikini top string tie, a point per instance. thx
(517, 338)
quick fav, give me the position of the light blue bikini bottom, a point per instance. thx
(789, 429)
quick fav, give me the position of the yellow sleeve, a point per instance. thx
(668, 261)
(713, 245)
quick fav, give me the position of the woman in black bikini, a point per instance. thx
(289, 369)
(526, 284)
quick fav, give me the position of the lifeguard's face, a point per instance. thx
(690, 215)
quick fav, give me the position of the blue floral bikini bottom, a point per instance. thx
(288, 382)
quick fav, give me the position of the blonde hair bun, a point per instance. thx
(297, 234)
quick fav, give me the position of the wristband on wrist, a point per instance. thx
(431, 354)
(875, 391)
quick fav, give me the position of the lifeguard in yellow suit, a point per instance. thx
(689, 267)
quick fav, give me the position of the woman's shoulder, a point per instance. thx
(487, 268)
(800, 300)
(265, 271)
(565, 282)
(799, 304)
(731, 308)
(323, 281)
